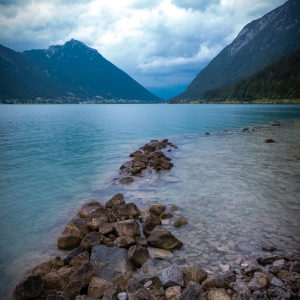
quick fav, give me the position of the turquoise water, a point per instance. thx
(54, 158)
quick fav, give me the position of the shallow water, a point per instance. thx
(233, 188)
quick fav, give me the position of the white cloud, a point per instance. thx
(158, 42)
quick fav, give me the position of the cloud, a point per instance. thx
(160, 43)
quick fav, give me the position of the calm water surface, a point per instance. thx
(233, 188)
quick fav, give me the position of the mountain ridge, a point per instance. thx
(259, 43)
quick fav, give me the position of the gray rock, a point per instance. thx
(258, 282)
(282, 293)
(172, 276)
(277, 266)
(95, 222)
(147, 284)
(111, 293)
(80, 260)
(109, 263)
(117, 199)
(268, 246)
(193, 274)
(267, 260)
(192, 292)
(105, 228)
(124, 242)
(160, 254)
(92, 211)
(138, 254)
(141, 241)
(136, 291)
(157, 208)
(161, 237)
(29, 288)
(220, 281)
(125, 211)
(276, 282)
(82, 275)
(240, 287)
(91, 240)
(150, 223)
(180, 222)
(73, 254)
(126, 228)
(122, 296)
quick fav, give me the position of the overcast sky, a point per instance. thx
(162, 44)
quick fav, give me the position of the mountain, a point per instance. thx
(258, 44)
(69, 70)
(279, 80)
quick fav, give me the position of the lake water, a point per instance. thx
(233, 188)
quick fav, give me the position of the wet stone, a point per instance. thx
(172, 276)
(268, 246)
(192, 292)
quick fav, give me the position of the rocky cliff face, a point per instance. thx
(258, 44)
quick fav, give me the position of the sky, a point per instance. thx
(162, 44)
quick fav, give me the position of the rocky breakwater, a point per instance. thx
(150, 157)
(107, 243)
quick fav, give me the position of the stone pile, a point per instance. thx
(149, 156)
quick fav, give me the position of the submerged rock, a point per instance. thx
(180, 222)
(268, 246)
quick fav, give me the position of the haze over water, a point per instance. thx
(233, 188)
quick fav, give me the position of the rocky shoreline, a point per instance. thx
(108, 243)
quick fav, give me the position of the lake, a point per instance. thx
(233, 188)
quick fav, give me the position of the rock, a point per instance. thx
(124, 242)
(173, 208)
(91, 240)
(82, 275)
(125, 211)
(283, 293)
(268, 246)
(157, 208)
(240, 287)
(141, 241)
(276, 124)
(207, 133)
(219, 281)
(126, 228)
(165, 164)
(42, 269)
(192, 292)
(97, 287)
(127, 165)
(73, 254)
(76, 227)
(180, 222)
(173, 293)
(277, 266)
(111, 293)
(269, 141)
(160, 254)
(95, 222)
(58, 297)
(29, 288)
(136, 291)
(172, 276)
(122, 296)
(121, 281)
(296, 268)
(126, 180)
(150, 223)
(258, 282)
(136, 153)
(117, 199)
(193, 274)
(155, 286)
(68, 242)
(58, 279)
(251, 271)
(161, 237)
(267, 260)
(80, 259)
(92, 211)
(276, 282)
(147, 284)
(138, 254)
(166, 215)
(109, 263)
(105, 228)
(284, 274)
(218, 294)
(71, 291)
(57, 263)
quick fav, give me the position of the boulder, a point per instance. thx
(172, 276)
(138, 254)
(73, 254)
(83, 297)
(71, 291)
(58, 279)
(29, 288)
(68, 242)
(269, 141)
(173, 292)
(92, 211)
(136, 291)
(141, 241)
(126, 228)
(160, 254)
(124, 242)
(192, 292)
(105, 228)
(126, 180)
(157, 208)
(97, 287)
(91, 240)
(268, 246)
(276, 282)
(277, 266)
(109, 263)
(180, 222)
(95, 222)
(267, 260)
(57, 297)
(165, 164)
(122, 280)
(173, 208)
(218, 294)
(82, 275)
(111, 294)
(220, 281)
(193, 274)
(80, 259)
(161, 237)
(150, 223)
(259, 281)
(154, 285)
(136, 153)
(57, 263)
(127, 165)
(166, 215)
(42, 269)
(117, 199)
(76, 227)
(125, 211)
